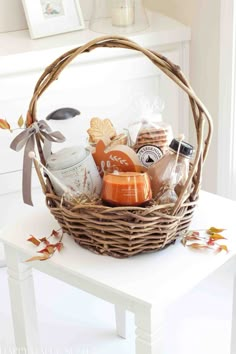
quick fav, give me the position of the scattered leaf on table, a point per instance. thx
(59, 246)
(191, 236)
(44, 240)
(34, 240)
(216, 237)
(214, 230)
(55, 233)
(4, 124)
(211, 242)
(51, 249)
(44, 251)
(48, 249)
(38, 258)
(198, 246)
(222, 248)
(207, 240)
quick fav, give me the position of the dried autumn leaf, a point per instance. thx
(4, 124)
(216, 237)
(59, 246)
(44, 251)
(55, 233)
(192, 237)
(34, 240)
(51, 249)
(198, 246)
(214, 230)
(211, 242)
(222, 248)
(44, 240)
(38, 258)
(20, 121)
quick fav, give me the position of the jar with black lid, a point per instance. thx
(171, 172)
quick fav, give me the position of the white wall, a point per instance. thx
(204, 18)
(12, 16)
(182, 10)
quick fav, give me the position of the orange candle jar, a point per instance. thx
(126, 188)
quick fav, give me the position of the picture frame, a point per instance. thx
(51, 17)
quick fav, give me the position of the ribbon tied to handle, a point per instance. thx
(27, 139)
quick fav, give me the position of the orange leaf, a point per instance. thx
(55, 233)
(214, 230)
(59, 246)
(192, 238)
(38, 258)
(50, 249)
(4, 124)
(34, 240)
(44, 251)
(20, 121)
(198, 246)
(44, 240)
(211, 242)
(222, 248)
(216, 237)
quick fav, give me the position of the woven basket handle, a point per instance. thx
(200, 113)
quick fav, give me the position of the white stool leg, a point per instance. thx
(120, 313)
(149, 331)
(233, 330)
(23, 306)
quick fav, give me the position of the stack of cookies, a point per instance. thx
(157, 136)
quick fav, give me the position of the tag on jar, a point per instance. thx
(149, 154)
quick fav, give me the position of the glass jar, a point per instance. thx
(118, 16)
(126, 188)
(75, 168)
(169, 174)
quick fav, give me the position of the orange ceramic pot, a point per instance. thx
(126, 188)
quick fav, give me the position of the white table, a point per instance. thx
(144, 285)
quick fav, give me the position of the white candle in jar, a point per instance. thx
(123, 15)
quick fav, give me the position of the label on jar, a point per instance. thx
(80, 178)
(149, 154)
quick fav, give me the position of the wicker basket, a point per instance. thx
(126, 231)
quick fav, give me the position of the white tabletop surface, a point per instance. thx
(148, 278)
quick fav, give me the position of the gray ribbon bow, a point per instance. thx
(27, 139)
